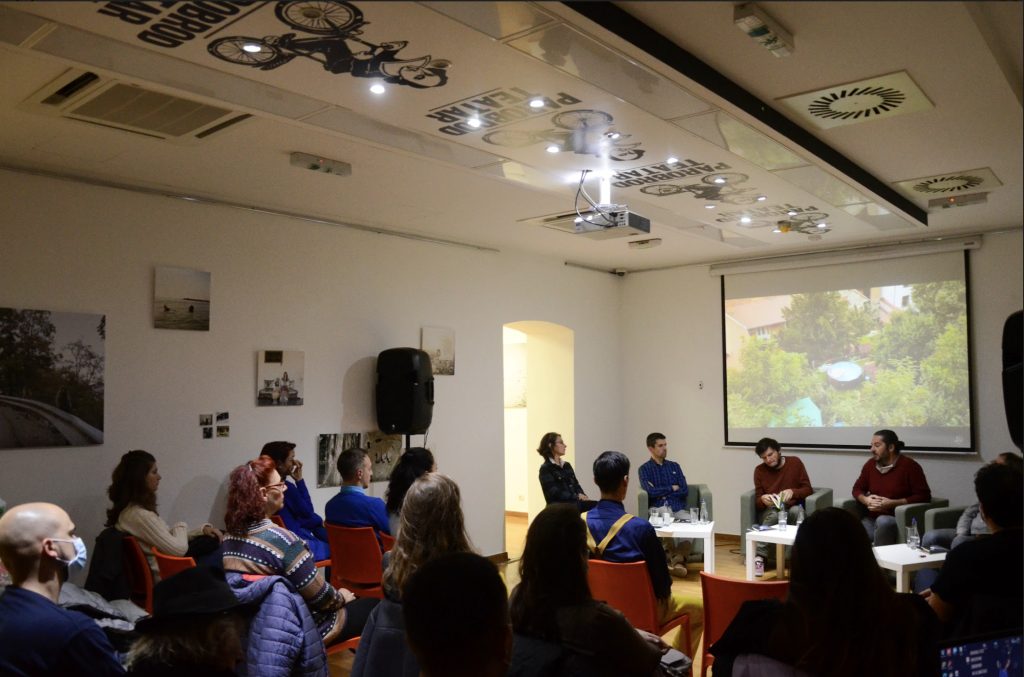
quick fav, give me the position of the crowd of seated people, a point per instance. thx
(258, 603)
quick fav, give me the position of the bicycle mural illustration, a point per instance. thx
(721, 187)
(582, 131)
(336, 27)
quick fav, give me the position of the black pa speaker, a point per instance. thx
(405, 391)
(1013, 337)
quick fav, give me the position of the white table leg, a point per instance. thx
(709, 553)
(902, 580)
(751, 551)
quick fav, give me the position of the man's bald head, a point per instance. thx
(23, 529)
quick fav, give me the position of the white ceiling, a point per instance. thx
(408, 175)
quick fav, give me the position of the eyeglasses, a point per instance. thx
(280, 485)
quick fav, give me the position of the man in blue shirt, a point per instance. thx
(665, 484)
(38, 637)
(298, 514)
(637, 541)
(353, 507)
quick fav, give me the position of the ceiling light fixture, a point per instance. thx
(753, 21)
(790, 213)
(762, 198)
(474, 122)
(672, 160)
(252, 48)
(537, 103)
(719, 179)
(552, 148)
(377, 88)
(709, 206)
(745, 219)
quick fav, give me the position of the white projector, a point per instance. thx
(618, 222)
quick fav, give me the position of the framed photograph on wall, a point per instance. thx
(181, 299)
(279, 378)
(439, 343)
(384, 451)
(328, 447)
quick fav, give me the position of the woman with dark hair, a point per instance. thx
(557, 479)
(431, 525)
(298, 513)
(889, 479)
(552, 603)
(411, 465)
(132, 491)
(841, 618)
(255, 545)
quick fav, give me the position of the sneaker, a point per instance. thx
(678, 570)
(759, 566)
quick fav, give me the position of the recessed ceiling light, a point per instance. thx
(672, 160)
(377, 88)
(745, 219)
(537, 103)
(709, 206)
(474, 122)
(578, 219)
(590, 217)
(719, 179)
(776, 230)
(252, 47)
(552, 148)
(762, 198)
(613, 135)
(790, 213)
(822, 225)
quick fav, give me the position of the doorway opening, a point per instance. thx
(539, 394)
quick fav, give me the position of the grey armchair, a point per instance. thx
(904, 514)
(821, 498)
(942, 518)
(693, 496)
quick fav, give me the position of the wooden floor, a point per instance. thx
(728, 562)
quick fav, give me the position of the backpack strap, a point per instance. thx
(598, 548)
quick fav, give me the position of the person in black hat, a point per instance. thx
(196, 627)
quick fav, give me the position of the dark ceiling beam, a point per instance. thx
(616, 20)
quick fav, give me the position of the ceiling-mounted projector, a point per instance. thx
(611, 221)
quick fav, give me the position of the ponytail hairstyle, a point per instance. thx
(547, 445)
(890, 439)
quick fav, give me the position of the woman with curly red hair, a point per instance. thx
(256, 546)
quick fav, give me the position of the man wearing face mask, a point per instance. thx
(37, 637)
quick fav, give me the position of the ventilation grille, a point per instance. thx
(879, 97)
(951, 184)
(87, 97)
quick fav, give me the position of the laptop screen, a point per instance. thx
(995, 655)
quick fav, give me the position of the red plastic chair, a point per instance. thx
(387, 542)
(138, 573)
(627, 587)
(168, 565)
(723, 598)
(355, 560)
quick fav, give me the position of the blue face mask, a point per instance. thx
(81, 554)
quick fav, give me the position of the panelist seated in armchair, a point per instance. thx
(888, 480)
(778, 481)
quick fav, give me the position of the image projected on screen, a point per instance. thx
(825, 356)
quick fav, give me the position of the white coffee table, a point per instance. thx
(781, 538)
(704, 531)
(903, 560)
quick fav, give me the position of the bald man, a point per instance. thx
(38, 637)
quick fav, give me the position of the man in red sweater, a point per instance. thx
(777, 479)
(889, 479)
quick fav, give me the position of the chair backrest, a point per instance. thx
(168, 565)
(138, 573)
(355, 558)
(625, 586)
(277, 519)
(723, 598)
(387, 542)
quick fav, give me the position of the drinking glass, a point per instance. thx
(655, 517)
(694, 515)
(913, 538)
(783, 516)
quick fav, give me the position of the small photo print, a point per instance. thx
(384, 451)
(223, 416)
(279, 377)
(205, 419)
(328, 448)
(223, 431)
(439, 344)
(181, 299)
(207, 432)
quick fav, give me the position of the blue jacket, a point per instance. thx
(301, 519)
(283, 639)
(352, 507)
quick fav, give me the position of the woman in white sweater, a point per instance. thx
(133, 493)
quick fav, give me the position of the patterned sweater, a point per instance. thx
(267, 549)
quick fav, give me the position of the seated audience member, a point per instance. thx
(132, 491)
(352, 506)
(553, 603)
(456, 617)
(298, 514)
(38, 546)
(979, 588)
(781, 477)
(432, 525)
(617, 536)
(841, 618)
(255, 545)
(665, 484)
(411, 465)
(889, 479)
(196, 628)
(557, 479)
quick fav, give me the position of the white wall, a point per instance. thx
(340, 295)
(672, 341)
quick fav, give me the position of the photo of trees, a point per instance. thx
(51, 378)
(879, 357)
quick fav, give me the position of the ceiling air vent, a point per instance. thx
(951, 184)
(853, 102)
(88, 97)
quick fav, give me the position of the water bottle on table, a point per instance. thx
(913, 537)
(703, 511)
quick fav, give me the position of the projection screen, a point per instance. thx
(821, 357)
